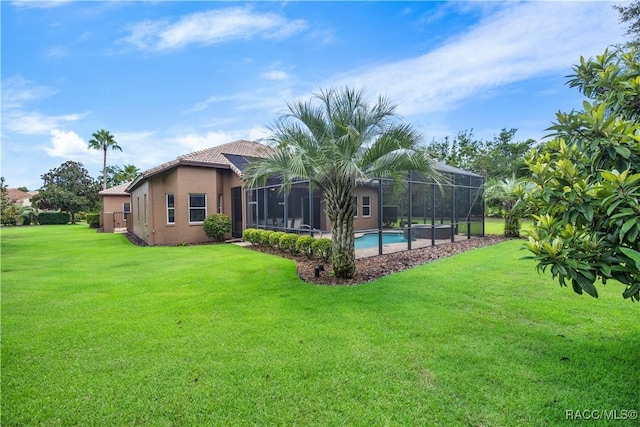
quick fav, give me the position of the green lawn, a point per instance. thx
(496, 225)
(96, 331)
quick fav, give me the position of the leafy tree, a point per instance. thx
(630, 15)
(103, 140)
(9, 213)
(23, 188)
(117, 175)
(333, 140)
(587, 181)
(500, 158)
(68, 188)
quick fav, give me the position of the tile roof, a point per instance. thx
(16, 195)
(211, 157)
(116, 190)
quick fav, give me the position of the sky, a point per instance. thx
(169, 78)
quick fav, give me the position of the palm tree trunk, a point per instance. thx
(104, 168)
(340, 210)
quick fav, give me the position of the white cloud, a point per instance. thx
(211, 27)
(516, 43)
(17, 93)
(276, 75)
(194, 142)
(68, 144)
(40, 4)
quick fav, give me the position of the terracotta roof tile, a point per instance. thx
(213, 157)
(116, 190)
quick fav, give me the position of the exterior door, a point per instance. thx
(236, 212)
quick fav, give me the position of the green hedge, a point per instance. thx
(93, 219)
(51, 218)
(290, 242)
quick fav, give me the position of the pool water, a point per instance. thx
(370, 240)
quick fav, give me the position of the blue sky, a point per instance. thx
(169, 78)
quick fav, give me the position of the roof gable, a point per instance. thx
(213, 157)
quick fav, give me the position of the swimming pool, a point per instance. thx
(370, 240)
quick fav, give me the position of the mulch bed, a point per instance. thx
(371, 268)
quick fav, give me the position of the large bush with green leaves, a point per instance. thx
(53, 218)
(216, 225)
(587, 181)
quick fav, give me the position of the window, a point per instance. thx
(138, 206)
(366, 206)
(171, 209)
(197, 208)
(126, 208)
(219, 203)
(355, 200)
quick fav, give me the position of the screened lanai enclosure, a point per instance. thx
(389, 218)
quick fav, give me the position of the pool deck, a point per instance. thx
(399, 247)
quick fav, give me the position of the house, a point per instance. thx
(170, 202)
(20, 198)
(116, 206)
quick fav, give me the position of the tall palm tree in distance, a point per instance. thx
(103, 140)
(333, 140)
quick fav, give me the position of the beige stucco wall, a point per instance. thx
(362, 222)
(115, 203)
(181, 181)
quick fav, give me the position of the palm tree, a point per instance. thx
(333, 140)
(506, 193)
(103, 140)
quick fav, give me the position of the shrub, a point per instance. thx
(303, 246)
(215, 225)
(322, 248)
(50, 218)
(251, 235)
(274, 240)
(93, 219)
(288, 242)
(264, 237)
(257, 236)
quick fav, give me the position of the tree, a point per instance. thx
(630, 15)
(587, 181)
(68, 188)
(505, 193)
(500, 158)
(117, 175)
(333, 140)
(103, 140)
(8, 212)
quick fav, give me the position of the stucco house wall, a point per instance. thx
(205, 173)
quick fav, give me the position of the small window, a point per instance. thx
(126, 208)
(366, 206)
(171, 209)
(219, 203)
(197, 208)
(355, 200)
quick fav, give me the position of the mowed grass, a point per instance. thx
(96, 331)
(496, 226)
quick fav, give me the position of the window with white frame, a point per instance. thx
(366, 206)
(197, 207)
(219, 203)
(126, 208)
(171, 209)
